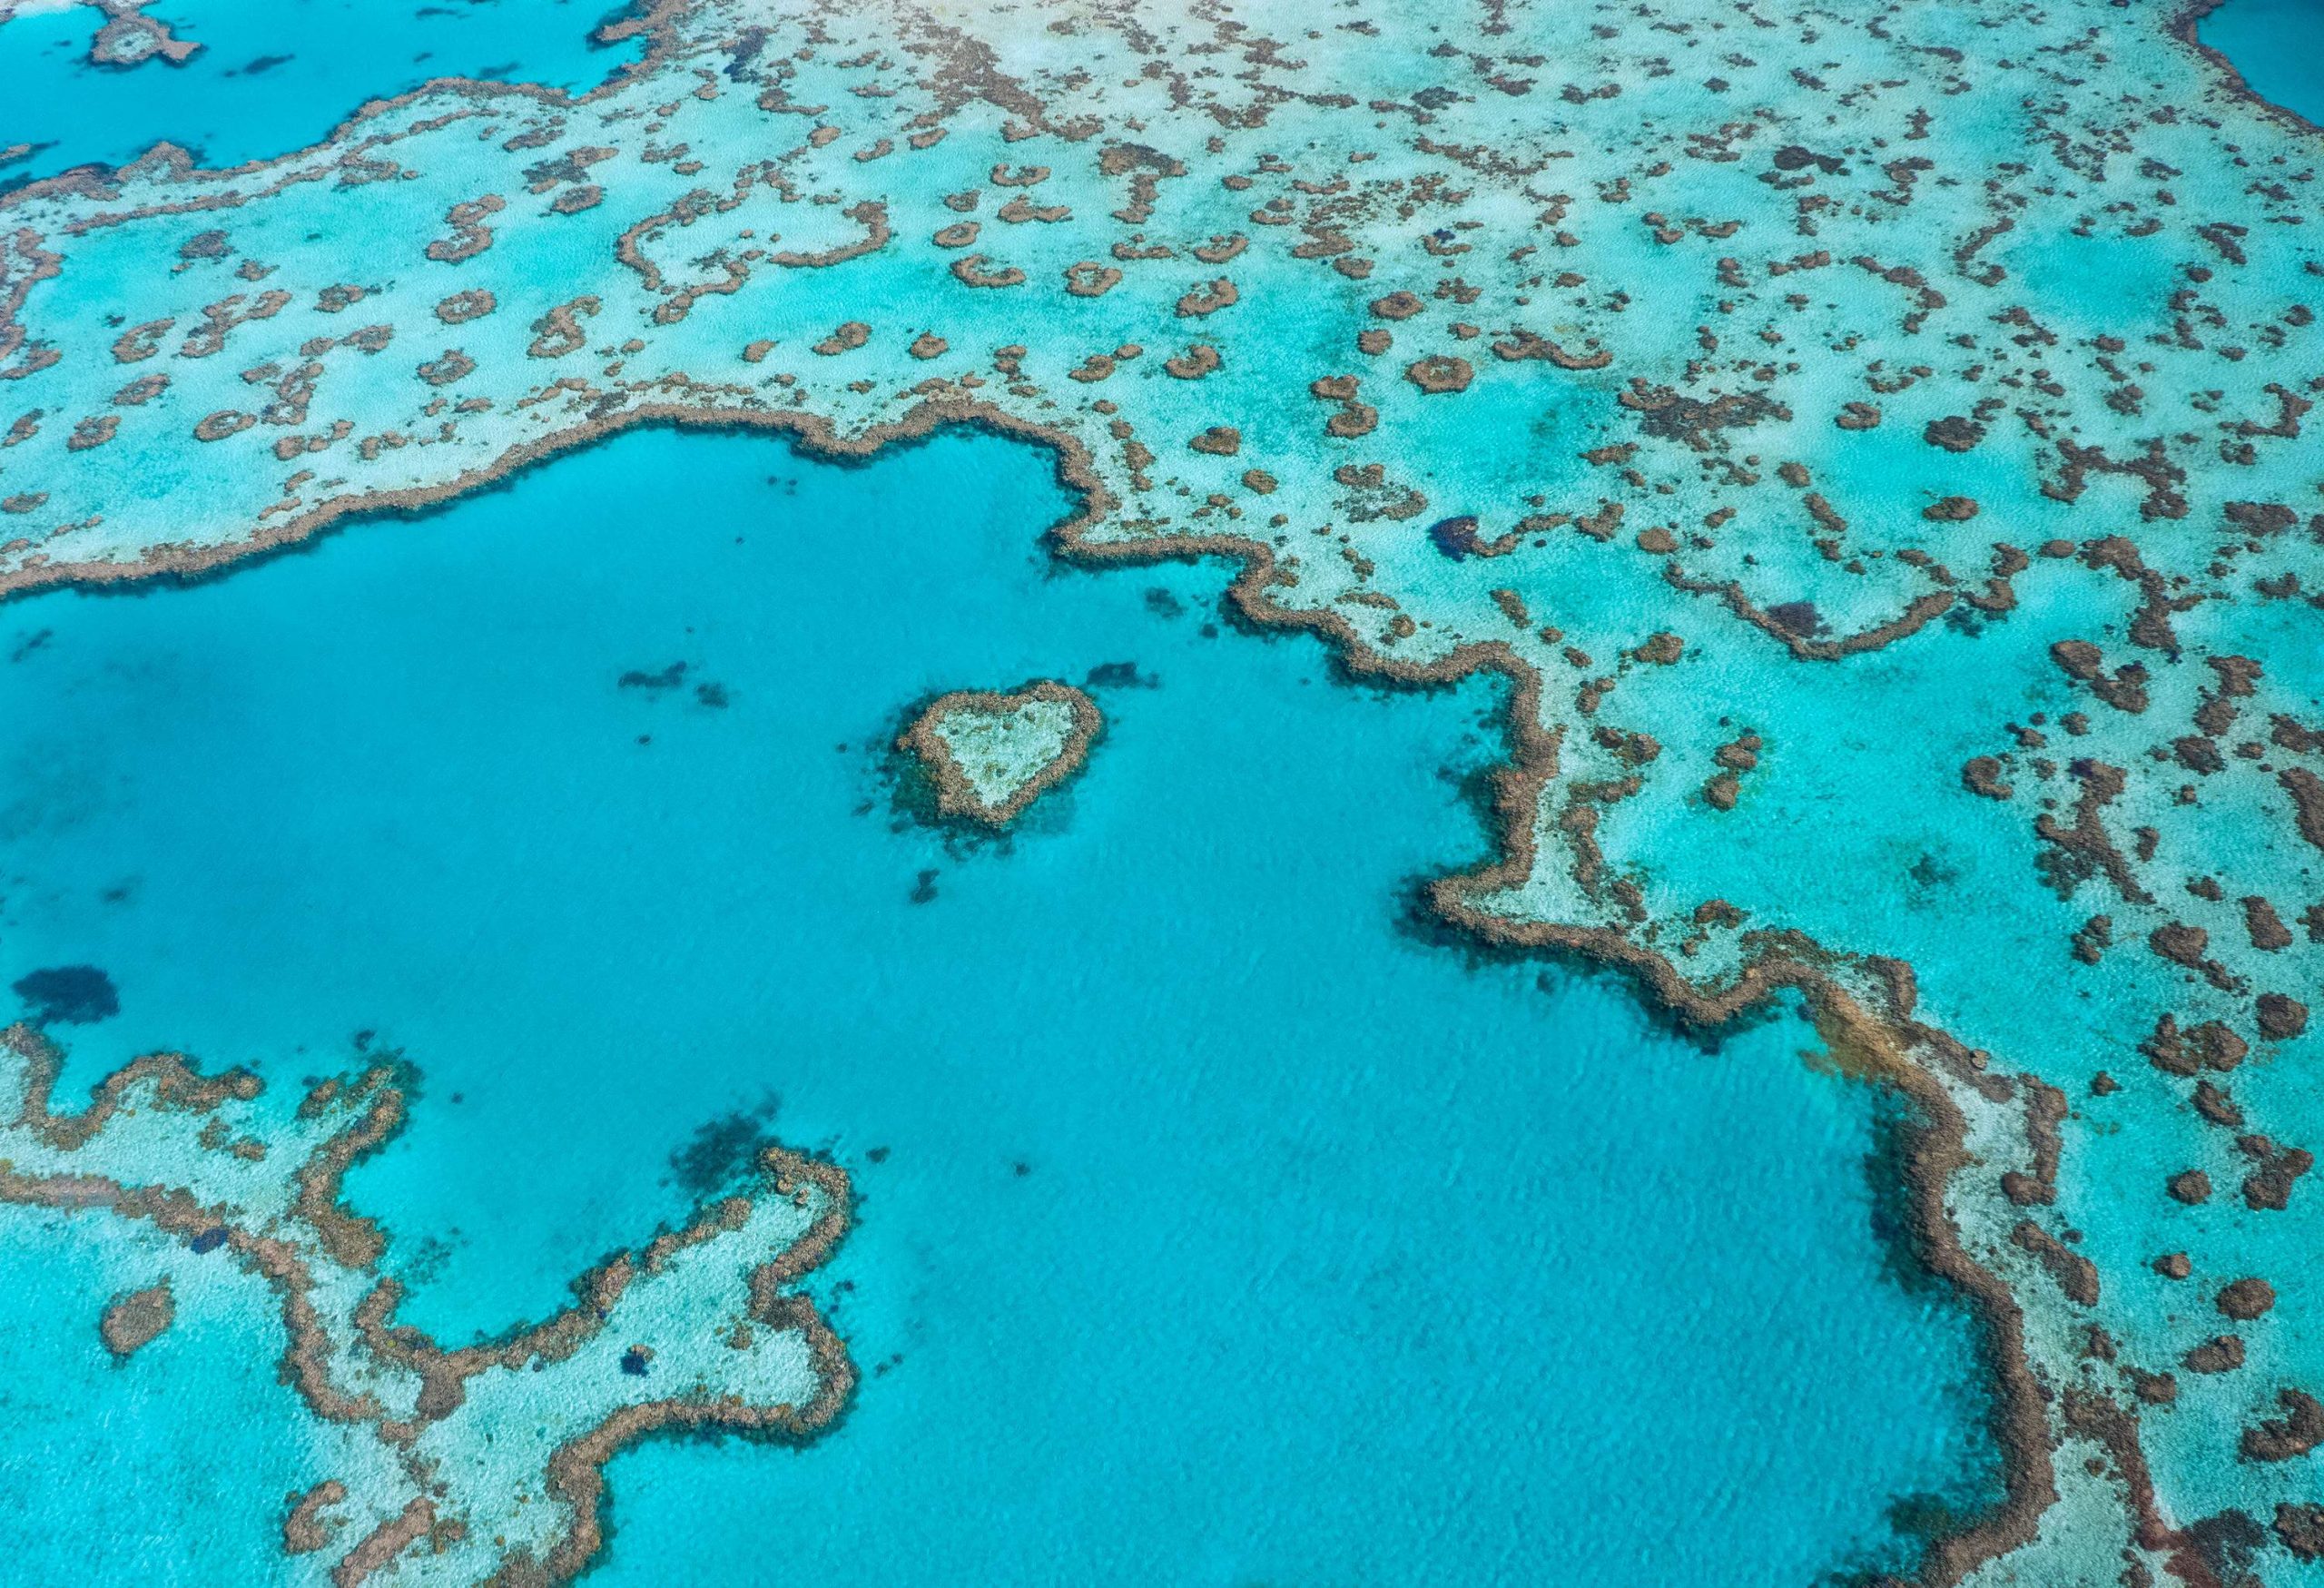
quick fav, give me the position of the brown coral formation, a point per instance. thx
(1525, 344)
(850, 335)
(306, 1529)
(1953, 433)
(956, 797)
(2245, 1299)
(1982, 774)
(1737, 756)
(2299, 1431)
(2076, 1275)
(1196, 361)
(559, 331)
(2124, 689)
(2192, 1186)
(2281, 1016)
(449, 365)
(1440, 373)
(970, 271)
(1198, 302)
(226, 422)
(470, 235)
(2220, 1353)
(136, 1319)
(1088, 278)
(462, 306)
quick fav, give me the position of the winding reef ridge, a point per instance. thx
(1872, 441)
(437, 1455)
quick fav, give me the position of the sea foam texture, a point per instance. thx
(1870, 441)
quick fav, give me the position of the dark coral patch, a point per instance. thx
(68, 995)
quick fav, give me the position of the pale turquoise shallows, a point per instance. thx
(1216, 1226)
(164, 1470)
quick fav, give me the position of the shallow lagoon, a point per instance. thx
(1216, 1226)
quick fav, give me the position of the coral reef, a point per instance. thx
(1888, 496)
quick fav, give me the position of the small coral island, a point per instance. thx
(986, 756)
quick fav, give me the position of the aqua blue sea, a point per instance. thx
(169, 1470)
(2278, 46)
(1217, 1225)
(272, 75)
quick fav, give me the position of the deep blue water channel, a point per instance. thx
(2278, 46)
(1216, 1226)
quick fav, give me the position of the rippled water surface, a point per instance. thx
(1217, 1224)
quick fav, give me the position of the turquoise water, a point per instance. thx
(272, 75)
(2278, 46)
(1216, 1226)
(164, 1470)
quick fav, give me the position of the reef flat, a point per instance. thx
(682, 1335)
(989, 755)
(1872, 446)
